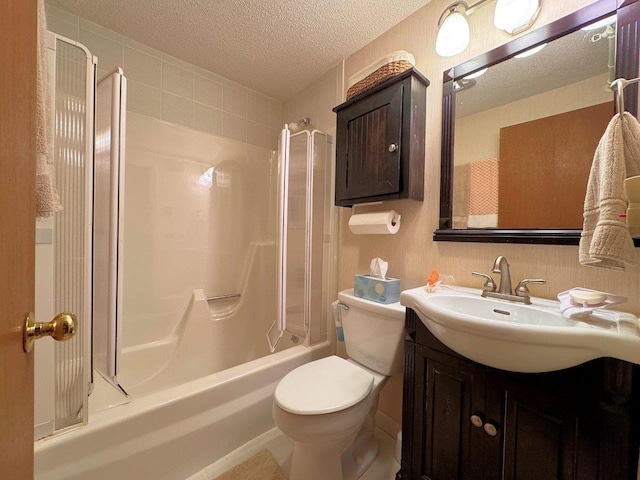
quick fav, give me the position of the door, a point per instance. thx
(368, 146)
(450, 396)
(541, 430)
(17, 231)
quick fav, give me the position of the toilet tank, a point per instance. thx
(373, 332)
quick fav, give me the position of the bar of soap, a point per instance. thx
(584, 297)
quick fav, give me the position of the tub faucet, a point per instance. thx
(502, 267)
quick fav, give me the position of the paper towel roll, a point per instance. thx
(375, 223)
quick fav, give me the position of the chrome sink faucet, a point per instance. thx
(505, 292)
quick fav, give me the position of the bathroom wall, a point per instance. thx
(317, 100)
(412, 252)
(473, 144)
(182, 232)
(168, 88)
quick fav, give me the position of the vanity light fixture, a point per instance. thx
(512, 16)
(477, 74)
(469, 81)
(515, 16)
(531, 51)
(463, 84)
(602, 23)
(453, 30)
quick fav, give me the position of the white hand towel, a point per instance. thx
(47, 200)
(605, 240)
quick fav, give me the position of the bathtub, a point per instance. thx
(173, 433)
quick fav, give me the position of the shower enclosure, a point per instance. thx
(200, 262)
(63, 243)
(208, 252)
(304, 177)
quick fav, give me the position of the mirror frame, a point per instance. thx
(627, 66)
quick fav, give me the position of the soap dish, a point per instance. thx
(587, 298)
(580, 300)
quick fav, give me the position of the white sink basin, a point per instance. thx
(517, 337)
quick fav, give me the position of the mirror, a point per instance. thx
(520, 126)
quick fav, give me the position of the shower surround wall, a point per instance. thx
(183, 233)
(165, 87)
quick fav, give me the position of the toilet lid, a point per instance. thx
(323, 386)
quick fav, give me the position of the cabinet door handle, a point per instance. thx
(491, 428)
(393, 147)
(477, 421)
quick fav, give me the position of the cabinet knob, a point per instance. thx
(491, 428)
(476, 421)
(393, 147)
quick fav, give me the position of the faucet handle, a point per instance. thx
(489, 285)
(522, 290)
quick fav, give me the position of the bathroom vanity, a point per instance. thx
(464, 420)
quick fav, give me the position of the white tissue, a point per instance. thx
(378, 268)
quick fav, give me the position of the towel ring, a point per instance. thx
(618, 85)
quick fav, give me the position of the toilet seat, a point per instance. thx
(323, 386)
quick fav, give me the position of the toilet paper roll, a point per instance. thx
(375, 223)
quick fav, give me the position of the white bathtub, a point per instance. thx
(173, 433)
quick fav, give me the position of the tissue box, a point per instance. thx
(376, 289)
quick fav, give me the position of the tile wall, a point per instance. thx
(317, 101)
(165, 87)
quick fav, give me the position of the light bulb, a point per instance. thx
(531, 51)
(477, 74)
(453, 36)
(515, 16)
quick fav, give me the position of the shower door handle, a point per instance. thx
(61, 328)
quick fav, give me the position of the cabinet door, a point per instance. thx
(540, 431)
(449, 445)
(367, 164)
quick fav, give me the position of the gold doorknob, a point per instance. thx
(61, 328)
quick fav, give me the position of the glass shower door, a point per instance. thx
(303, 171)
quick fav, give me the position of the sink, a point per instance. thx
(522, 338)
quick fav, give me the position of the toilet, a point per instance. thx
(327, 407)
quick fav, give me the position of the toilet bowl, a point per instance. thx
(327, 407)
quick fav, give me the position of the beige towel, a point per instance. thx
(261, 466)
(605, 240)
(47, 200)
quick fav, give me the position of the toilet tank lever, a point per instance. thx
(337, 311)
(337, 317)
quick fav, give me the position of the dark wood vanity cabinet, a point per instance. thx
(466, 421)
(380, 139)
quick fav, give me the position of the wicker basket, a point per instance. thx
(378, 76)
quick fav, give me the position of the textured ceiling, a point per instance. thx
(276, 47)
(564, 61)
